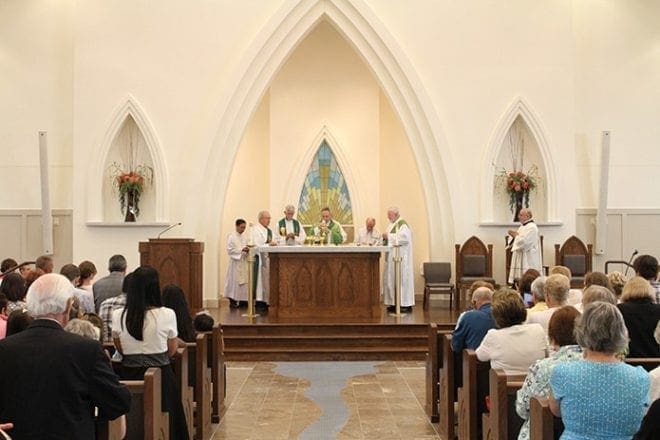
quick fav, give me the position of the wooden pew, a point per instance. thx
(446, 404)
(543, 425)
(471, 396)
(436, 334)
(218, 373)
(647, 363)
(146, 419)
(502, 422)
(201, 383)
(180, 365)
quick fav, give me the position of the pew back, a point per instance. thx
(472, 395)
(180, 365)
(502, 422)
(447, 375)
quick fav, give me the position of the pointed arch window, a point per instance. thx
(325, 186)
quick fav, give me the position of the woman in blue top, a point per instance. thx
(599, 397)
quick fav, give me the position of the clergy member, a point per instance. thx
(236, 282)
(369, 235)
(290, 230)
(398, 232)
(262, 236)
(330, 229)
(526, 247)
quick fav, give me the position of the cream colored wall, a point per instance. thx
(583, 66)
(36, 93)
(400, 186)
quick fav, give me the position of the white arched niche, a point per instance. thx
(129, 125)
(518, 141)
(397, 78)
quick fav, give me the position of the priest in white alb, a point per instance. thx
(526, 247)
(290, 230)
(261, 235)
(236, 282)
(398, 232)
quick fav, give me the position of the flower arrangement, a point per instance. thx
(130, 186)
(518, 185)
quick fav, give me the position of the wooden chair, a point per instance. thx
(436, 280)
(474, 261)
(577, 256)
(543, 425)
(433, 365)
(180, 364)
(508, 255)
(472, 395)
(146, 420)
(446, 404)
(502, 422)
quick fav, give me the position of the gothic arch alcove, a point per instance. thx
(401, 89)
(519, 144)
(129, 139)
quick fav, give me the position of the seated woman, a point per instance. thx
(145, 333)
(513, 346)
(641, 315)
(537, 382)
(173, 298)
(599, 397)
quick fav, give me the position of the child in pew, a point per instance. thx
(86, 329)
(203, 322)
(537, 382)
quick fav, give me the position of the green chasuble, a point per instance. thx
(335, 232)
(296, 226)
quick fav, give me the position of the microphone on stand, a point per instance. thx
(635, 252)
(168, 228)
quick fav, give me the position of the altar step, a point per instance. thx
(323, 342)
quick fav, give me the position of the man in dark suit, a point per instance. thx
(51, 380)
(110, 285)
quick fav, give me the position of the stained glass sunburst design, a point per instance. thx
(325, 186)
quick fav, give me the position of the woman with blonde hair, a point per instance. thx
(641, 316)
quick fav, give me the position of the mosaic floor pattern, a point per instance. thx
(325, 400)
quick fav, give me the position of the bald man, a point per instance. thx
(526, 247)
(369, 235)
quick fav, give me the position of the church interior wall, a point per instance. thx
(584, 67)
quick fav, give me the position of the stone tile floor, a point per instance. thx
(325, 400)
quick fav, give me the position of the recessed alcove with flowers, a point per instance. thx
(519, 180)
(128, 177)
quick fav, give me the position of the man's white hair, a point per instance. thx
(49, 294)
(393, 209)
(289, 208)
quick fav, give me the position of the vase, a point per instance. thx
(130, 206)
(520, 195)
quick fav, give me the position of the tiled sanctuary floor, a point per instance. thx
(325, 400)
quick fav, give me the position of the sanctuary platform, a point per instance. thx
(383, 337)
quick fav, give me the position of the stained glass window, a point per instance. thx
(325, 186)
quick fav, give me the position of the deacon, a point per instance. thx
(332, 230)
(290, 230)
(369, 235)
(526, 247)
(236, 282)
(262, 236)
(399, 233)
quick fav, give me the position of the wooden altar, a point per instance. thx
(324, 281)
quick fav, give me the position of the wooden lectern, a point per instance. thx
(178, 261)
